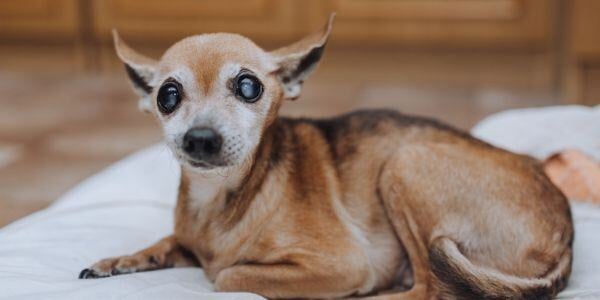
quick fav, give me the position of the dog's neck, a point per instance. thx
(231, 191)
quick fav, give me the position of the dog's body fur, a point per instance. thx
(351, 205)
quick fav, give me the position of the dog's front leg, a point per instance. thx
(286, 280)
(166, 253)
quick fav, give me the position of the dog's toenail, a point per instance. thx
(85, 273)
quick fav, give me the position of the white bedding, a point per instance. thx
(130, 205)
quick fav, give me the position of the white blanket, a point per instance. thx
(130, 205)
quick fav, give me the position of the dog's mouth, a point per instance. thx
(207, 163)
(200, 164)
(204, 164)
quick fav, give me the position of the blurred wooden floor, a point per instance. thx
(57, 128)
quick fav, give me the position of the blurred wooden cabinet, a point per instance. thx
(582, 61)
(565, 30)
(448, 23)
(41, 34)
(46, 20)
(466, 24)
(159, 21)
(503, 24)
(440, 23)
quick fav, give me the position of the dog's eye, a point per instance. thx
(248, 88)
(168, 97)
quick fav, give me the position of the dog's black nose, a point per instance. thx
(201, 142)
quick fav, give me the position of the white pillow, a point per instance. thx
(541, 132)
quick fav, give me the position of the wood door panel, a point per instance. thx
(584, 29)
(581, 62)
(39, 19)
(427, 10)
(157, 20)
(444, 23)
(189, 9)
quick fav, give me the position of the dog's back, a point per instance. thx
(360, 146)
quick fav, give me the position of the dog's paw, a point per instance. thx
(119, 265)
(90, 273)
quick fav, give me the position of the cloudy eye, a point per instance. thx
(168, 97)
(248, 88)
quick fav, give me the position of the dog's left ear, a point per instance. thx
(295, 62)
(140, 69)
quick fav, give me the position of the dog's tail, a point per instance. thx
(459, 277)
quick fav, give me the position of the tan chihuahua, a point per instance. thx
(372, 203)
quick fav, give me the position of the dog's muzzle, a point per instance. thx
(202, 144)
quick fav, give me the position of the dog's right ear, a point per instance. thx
(295, 62)
(140, 69)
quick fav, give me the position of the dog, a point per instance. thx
(373, 203)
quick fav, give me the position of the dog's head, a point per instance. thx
(215, 94)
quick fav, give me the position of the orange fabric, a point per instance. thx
(576, 174)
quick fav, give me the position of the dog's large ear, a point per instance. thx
(140, 69)
(295, 62)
